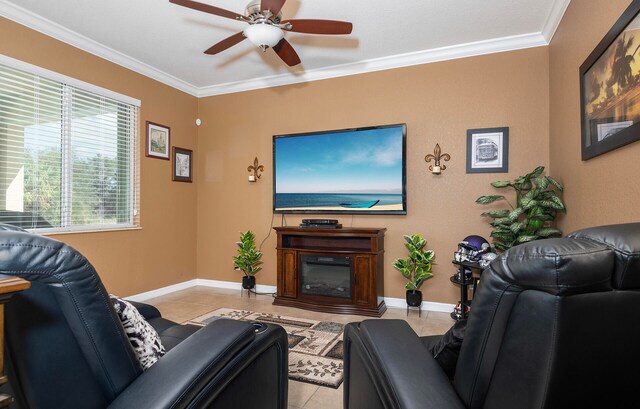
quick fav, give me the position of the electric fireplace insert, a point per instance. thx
(325, 275)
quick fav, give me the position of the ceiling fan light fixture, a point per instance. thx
(263, 35)
(266, 27)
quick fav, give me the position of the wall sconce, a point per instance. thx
(255, 168)
(437, 168)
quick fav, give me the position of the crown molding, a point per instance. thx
(386, 63)
(51, 29)
(558, 9)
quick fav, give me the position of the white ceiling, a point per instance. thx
(166, 42)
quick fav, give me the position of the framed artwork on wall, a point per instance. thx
(610, 88)
(158, 141)
(488, 150)
(182, 165)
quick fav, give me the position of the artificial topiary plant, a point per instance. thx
(417, 267)
(532, 216)
(248, 258)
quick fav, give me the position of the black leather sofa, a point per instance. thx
(554, 324)
(66, 348)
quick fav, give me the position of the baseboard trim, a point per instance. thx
(231, 285)
(426, 305)
(162, 291)
(261, 288)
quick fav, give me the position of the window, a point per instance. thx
(68, 157)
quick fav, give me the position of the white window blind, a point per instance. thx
(68, 158)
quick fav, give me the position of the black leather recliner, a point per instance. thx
(66, 347)
(554, 324)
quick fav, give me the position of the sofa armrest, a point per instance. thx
(148, 311)
(409, 376)
(197, 370)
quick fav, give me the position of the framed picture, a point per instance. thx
(157, 141)
(488, 150)
(610, 88)
(182, 165)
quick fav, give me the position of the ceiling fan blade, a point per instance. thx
(319, 26)
(272, 5)
(208, 9)
(226, 43)
(286, 52)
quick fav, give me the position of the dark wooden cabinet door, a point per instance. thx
(363, 280)
(289, 276)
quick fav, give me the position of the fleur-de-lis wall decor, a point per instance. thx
(437, 156)
(255, 168)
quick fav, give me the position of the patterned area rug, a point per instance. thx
(315, 347)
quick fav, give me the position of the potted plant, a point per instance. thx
(535, 209)
(416, 267)
(247, 259)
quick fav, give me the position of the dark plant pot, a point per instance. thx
(414, 298)
(248, 282)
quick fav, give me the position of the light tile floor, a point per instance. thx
(187, 304)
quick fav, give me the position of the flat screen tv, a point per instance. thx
(349, 171)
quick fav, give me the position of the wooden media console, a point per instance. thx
(331, 270)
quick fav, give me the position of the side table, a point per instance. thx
(8, 286)
(464, 281)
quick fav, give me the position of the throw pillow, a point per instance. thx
(143, 337)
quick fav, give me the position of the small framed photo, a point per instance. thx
(158, 141)
(488, 150)
(182, 165)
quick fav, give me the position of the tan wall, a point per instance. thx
(438, 102)
(163, 252)
(601, 190)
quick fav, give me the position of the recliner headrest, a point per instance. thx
(557, 266)
(624, 239)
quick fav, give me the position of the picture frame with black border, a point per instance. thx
(488, 150)
(182, 165)
(609, 89)
(158, 141)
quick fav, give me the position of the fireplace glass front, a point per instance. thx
(325, 275)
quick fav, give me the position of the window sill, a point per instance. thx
(54, 232)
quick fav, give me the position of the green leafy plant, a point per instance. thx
(248, 257)
(417, 267)
(531, 218)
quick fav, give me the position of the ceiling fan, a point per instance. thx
(266, 28)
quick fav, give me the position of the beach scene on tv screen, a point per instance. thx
(348, 171)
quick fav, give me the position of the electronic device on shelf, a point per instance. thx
(320, 224)
(319, 221)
